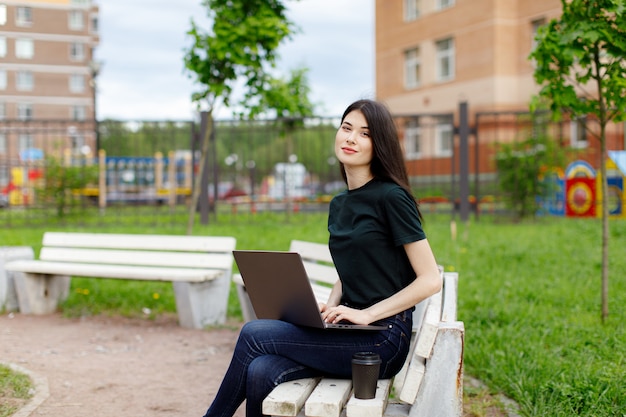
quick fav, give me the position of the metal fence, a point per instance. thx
(53, 172)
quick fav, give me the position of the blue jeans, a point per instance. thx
(269, 352)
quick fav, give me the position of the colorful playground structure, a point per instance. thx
(121, 179)
(577, 191)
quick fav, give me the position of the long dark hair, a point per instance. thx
(387, 160)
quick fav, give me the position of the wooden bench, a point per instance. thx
(430, 383)
(200, 268)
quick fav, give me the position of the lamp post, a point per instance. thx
(95, 67)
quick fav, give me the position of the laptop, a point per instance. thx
(279, 288)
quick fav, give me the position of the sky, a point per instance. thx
(142, 46)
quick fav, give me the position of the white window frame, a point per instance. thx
(94, 22)
(76, 20)
(3, 14)
(77, 142)
(77, 51)
(444, 139)
(3, 143)
(77, 83)
(25, 141)
(412, 66)
(412, 139)
(79, 113)
(445, 53)
(3, 46)
(24, 48)
(24, 81)
(3, 79)
(23, 16)
(578, 133)
(24, 111)
(411, 10)
(444, 4)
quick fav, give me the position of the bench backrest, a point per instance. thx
(317, 261)
(433, 314)
(135, 249)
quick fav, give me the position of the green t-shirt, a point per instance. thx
(368, 227)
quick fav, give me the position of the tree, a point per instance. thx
(242, 44)
(521, 166)
(581, 65)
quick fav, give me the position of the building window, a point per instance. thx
(536, 24)
(443, 138)
(24, 81)
(3, 46)
(3, 111)
(94, 23)
(3, 143)
(77, 51)
(411, 10)
(23, 16)
(444, 4)
(77, 83)
(445, 59)
(412, 139)
(578, 133)
(411, 68)
(24, 111)
(24, 48)
(25, 141)
(3, 14)
(79, 113)
(77, 142)
(76, 20)
(3, 79)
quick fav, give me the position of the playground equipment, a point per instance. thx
(155, 179)
(577, 191)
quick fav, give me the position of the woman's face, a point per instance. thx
(353, 144)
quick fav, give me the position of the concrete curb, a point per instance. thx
(42, 392)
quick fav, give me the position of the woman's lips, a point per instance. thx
(348, 150)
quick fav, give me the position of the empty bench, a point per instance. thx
(430, 383)
(200, 268)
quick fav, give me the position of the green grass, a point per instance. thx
(15, 389)
(529, 294)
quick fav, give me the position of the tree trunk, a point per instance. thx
(605, 225)
(195, 195)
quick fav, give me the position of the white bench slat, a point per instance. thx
(449, 309)
(138, 241)
(310, 250)
(413, 379)
(288, 398)
(428, 330)
(370, 408)
(328, 398)
(137, 257)
(418, 318)
(320, 272)
(115, 271)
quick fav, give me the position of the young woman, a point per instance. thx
(385, 265)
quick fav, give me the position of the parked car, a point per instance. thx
(4, 201)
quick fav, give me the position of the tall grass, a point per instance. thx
(529, 295)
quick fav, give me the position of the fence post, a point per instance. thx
(464, 131)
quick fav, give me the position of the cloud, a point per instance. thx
(143, 41)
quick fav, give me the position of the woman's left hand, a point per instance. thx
(341, 313)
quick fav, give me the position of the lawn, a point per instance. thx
(529, 294)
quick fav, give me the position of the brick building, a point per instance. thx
(47, 70)
(433, 54)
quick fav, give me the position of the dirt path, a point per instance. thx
(115, 367)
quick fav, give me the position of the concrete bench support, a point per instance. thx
(8, 294)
